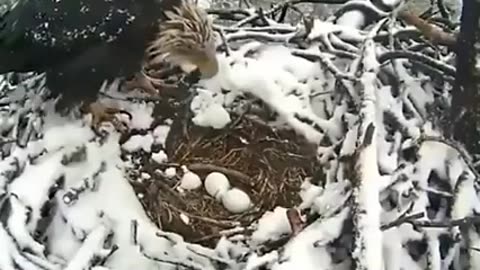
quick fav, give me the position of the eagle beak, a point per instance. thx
(208, 64)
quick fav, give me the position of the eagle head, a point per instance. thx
(185, 38)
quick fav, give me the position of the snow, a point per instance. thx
(307, 250)
(145, 176)
(113, 196)
(141, 114)
(367, 194)
(137, 142)
(208, 113)
(236, 201)
(216, 184)
(271, 226)
(214, 116)
(96, 221)
(204, 3)
(160, 134)
(170, 172)
(160, 157)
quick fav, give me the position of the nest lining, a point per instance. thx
(268, 164)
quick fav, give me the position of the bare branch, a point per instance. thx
(432, 32)
(280, 6)
(419, 57)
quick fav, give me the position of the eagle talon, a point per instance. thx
(101, 113)
(178, 33)
(140, 81)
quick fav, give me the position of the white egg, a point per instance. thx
(190, 181)
(216, 184)
(236, 201)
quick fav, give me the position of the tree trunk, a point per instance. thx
(465, 112)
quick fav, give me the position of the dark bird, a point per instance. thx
(80, 44)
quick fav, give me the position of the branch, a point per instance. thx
(467, 221)
(433, 33)
(323, 59)
(365, 176)
(465, 112)
(92, 251)
(401, 220)
(415, 56)
(460, 150)
(230, 172)
(280, 6)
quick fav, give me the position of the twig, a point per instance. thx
(134, 232)
(401, 220)
(295, 221)
(168, 189)
(88, 184)
(447, 224)
(280, 29)
(219, 223)
(221, 32)
(433, 33)
(93, 248)
(226, 233)
(280, 6)
(442, 9)
(227, 12)
(212, 167)
(449, 70)
(172, 262)
(325, 62)
(134, 236)
(413, 219)
(265, 37)
(222, 262)
(461, 151)
(4, 141)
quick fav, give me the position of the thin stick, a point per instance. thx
(219, 223)
(211, 167)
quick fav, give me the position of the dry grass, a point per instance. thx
(269, 165)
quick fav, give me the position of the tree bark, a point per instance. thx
(465, 113)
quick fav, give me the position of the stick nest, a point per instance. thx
(268, 164)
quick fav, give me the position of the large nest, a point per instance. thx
(269, 164)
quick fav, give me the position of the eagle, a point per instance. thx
(81, 44)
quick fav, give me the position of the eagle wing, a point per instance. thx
(33, 29)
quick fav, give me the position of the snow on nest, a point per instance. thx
(281, 80)
(83, 220)
(110, 206)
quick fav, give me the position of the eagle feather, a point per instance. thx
(80, 44)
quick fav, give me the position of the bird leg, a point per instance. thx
(140, 81)
(102, 113)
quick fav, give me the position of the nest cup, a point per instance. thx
(269, 165)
